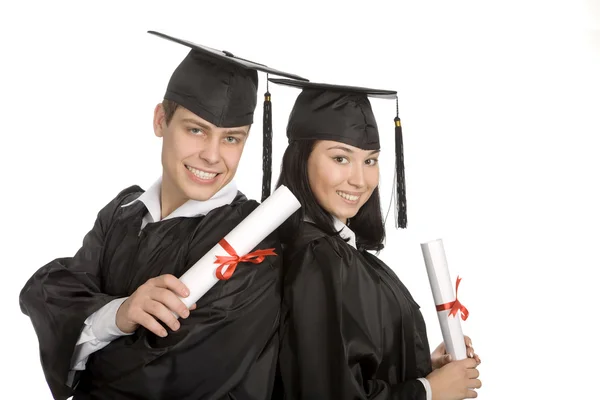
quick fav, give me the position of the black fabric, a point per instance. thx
(216, 85)
(222, 94)
(350, 329)
(267, 146)
(226, 349)
(332, 112)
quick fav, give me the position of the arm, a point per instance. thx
(99, 330)
(326, 349)
(230, 340)
(61, 295)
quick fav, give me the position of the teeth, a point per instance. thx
(348, 196)
(201, 174)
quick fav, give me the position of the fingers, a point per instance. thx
(471, 350)
(468, 341)
(446, 359)
(158, 300)
(193, 307)
(471, 354)
(441, 349)
(159, 311)
(148, 322)
(169, 281)
(472, 373)
(474, 384)
(171, 301)
(468, 363)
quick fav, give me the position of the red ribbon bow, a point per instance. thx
(231, 261)
(455, 306)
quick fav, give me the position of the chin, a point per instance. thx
(200, 192)
(350, 212)
(202, 195)
(194, 192)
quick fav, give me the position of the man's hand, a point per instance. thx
(154, 300)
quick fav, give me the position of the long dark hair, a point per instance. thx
(367, 224)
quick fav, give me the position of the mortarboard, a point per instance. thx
(344, 114)
(222, 89)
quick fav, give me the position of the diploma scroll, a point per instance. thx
(261, 222)
(445, 298)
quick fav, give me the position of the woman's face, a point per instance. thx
(342, 177)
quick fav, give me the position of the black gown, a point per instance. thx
(226, 349)
(350, 329)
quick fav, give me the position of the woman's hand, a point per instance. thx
(440, 357)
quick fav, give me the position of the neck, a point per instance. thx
(171, 197)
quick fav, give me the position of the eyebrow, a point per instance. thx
(206, 127)
(347, 150)
(196, 122)
(236, 132)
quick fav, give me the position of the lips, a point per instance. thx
(200, 174)
(353, 198)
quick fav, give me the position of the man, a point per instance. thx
(104, 318)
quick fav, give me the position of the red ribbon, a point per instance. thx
(455, 306)
(231, 261)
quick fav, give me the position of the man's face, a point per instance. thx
(198, 157)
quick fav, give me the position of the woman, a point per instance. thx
(350, 329)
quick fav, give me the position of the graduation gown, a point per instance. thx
(225, 349)
(350, 329)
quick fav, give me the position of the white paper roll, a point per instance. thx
(243, 238)
(443, 292)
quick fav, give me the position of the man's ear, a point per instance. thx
(160, 124)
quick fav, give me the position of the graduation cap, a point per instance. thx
(222, 89)
(344, 114)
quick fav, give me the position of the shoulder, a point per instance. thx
(235, 212)
(311, 238)
(240, 208)
(114, 210)
(125, 196)
(218, 223)
(128, 195)
(315, 250)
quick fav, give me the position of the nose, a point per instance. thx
(357, 175)
(210, 150)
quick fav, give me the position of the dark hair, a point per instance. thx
(367, 224)
(169, 106)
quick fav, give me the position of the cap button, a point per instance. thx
(228, 54)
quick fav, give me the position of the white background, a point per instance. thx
(501, 114)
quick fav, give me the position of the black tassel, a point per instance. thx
(267, 146)
(400, 181)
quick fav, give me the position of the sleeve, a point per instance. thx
(99, 330)
(326, 350)
(230, 341)
(61, 295)
(425, 383)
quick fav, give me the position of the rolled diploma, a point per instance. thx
(443, 292)
(243, 238)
